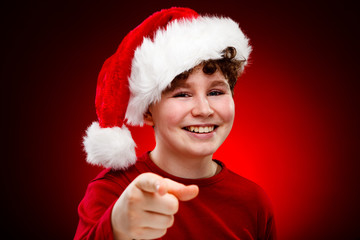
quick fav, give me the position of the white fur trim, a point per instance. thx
(183, 45)
(109, 147)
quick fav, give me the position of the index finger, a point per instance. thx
(152, 183)
(179, 190)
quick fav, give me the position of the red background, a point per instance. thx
(296, 131)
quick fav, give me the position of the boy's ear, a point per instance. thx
(148, 118)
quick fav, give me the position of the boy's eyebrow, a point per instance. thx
(180, 83)
(220, 83)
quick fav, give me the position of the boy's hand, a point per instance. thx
(147, 206)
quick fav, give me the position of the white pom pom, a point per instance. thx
(109, 147)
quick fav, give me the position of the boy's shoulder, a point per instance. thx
(234, 178)
(122, 177)
(239, 180)
(244, 187)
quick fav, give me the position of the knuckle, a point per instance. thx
(146, 177)
(162, 232)
(146, 174)
(133, 197)
(165, 221)
(146, 181)
(173, 205)
(170, 221)
(138, 233)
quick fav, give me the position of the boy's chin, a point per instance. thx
(202, 153)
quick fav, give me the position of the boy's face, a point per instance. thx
(193, 117)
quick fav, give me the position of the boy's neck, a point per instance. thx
(184, 166)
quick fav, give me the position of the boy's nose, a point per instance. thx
(202, 107)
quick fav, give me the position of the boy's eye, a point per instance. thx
(181, 94)
(215, 93)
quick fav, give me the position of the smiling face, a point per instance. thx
(194, 116)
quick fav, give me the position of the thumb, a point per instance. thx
(180, 191)
(148, 182)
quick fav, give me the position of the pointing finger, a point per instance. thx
(152, 183)
(180, 191)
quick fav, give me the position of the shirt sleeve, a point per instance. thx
(266, 220)
(95, 210)
(270, 232)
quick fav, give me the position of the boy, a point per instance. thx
(175, 72)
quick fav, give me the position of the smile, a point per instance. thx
(204, 129)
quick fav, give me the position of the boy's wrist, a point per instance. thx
(120, 236)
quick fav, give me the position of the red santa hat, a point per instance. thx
(166, 44)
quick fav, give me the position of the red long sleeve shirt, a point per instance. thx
(228, 206)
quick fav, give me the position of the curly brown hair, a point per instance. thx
(230, 67)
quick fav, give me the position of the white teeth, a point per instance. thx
(200, 129)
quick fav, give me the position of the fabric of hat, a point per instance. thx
(166, 44)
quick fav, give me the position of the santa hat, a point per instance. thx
(166, 44)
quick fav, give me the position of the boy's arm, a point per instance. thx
(95, 210)
(271, 229)
(266, 218)
(139, 212)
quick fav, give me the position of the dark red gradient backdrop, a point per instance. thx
(296, 131)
